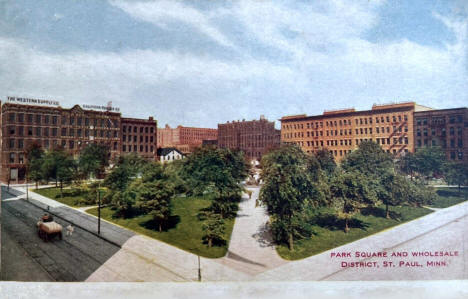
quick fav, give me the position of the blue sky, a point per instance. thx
(199, 63)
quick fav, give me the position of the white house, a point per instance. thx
(168, 154)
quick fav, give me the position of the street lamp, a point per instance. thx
(99, 208)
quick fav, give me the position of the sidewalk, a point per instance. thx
(251, 248)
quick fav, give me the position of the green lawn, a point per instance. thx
(449, 197)
(68, 197)
(330, 234)
(186, 231)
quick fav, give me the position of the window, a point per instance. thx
(38, 119)
(86, 121)
(64, 131)
(460, 142)
(11, 117)
(20, 131)
(459, 131)
(71, 144)
(79, 121)
(38, 131)
(20, 117)
(11, 143)
(46, 119)
(78, 133)
(151, 130)
(11, 130)
(72, 120)
(20, 143)
(30, 131)
(12, 157)
(452, 142)
(21, 158)
(146, 129)
(452, 155)
(124, 148)
(134, 129)
(54, 120)
(64, 120)
(452, 131)
(30, 118)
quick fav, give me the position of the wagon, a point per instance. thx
(48, 230)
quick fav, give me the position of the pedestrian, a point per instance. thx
(70, 230)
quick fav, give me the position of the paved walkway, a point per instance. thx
(251, 249)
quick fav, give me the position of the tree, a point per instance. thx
(457, 174)
(34, 157)
(214, 169)
(154, 198)
(396, 190)
(350, 192)
(369, 159)
(93, 159)
(288, 189)
(326, 161)
(59, 165)
(429, 161)
(408, 164)
(213, 228)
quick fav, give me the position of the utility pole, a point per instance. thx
(199, 269)
(99, 208)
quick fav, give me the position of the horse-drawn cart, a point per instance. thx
(47, 229)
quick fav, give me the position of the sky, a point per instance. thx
(200, 63)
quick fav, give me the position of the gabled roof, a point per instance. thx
(164, 151)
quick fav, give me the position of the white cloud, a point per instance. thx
(164, 13)
(329, 65)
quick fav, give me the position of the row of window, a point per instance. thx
(145, 148)
(53, 119)
(344, 122)
(440, 120)
(442, 131)
(135, 129)
(345, 132)
(47, 144)
(129, 138)
(39, 131)
(442, 143)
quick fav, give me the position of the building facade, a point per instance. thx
(168, 154)
(447, 128)
(71, 129)
(139, 136)
(185, 139)
(341, 131)
(254, 137)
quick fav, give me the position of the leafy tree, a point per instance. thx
(396, 190)
(173, 171)
(289, 187)
(326, 161)
(369, 159)
(154, 198)
(93, 159)
(457, 174)
(429, 161)
(209, 169)
(34, 157)
(408, 164)
(350, 192)
(213, 229)
(59, 165)
(421, 194)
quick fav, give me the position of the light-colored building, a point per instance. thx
(169, 154)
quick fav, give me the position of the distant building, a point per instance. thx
(254, 137)
(341, 131)
(186, 139)
(46, 123)
(169, 154)
(139, 136)
(210, 142)
(447, 128)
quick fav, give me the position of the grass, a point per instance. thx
(329, 231)
(69, 198)
(449, 197)
(185, 229)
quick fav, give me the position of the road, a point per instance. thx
(25, 257)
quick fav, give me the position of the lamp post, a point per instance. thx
(99, 208)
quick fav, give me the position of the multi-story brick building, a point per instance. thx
(447, 128)
(54, 126)
(254, 137)
(139, 136)
(185, 139)
(341, 131)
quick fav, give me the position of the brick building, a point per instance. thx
(72, 129)
(254, 137)
(185, 139)
(139, 136)
(447, 128)
(341, 131)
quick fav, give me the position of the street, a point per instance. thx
(25, 257)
